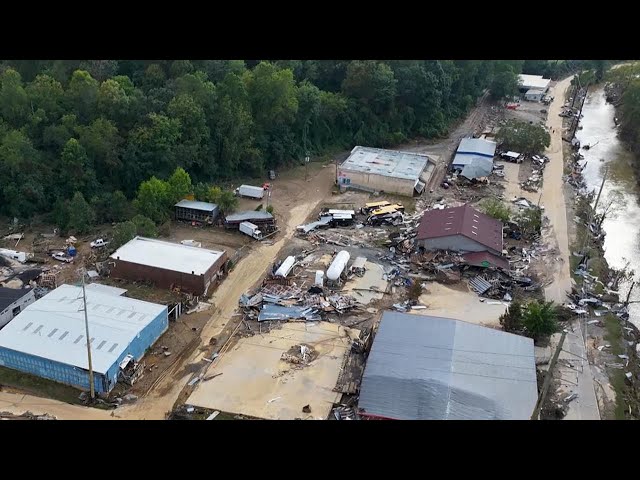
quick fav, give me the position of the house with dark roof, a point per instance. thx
(432, 368)
(13, 301)
(462, 229)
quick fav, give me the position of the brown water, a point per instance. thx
(622, 242)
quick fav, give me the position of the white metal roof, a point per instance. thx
(53, 327)
(389, 163)
(170, 256)
(109, 290)
(194, 205)
(533, 81)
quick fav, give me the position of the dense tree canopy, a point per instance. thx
(524, 137)
(100, 126)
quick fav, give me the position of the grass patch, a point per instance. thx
(616, 377)
(38, 386)
(614, 334)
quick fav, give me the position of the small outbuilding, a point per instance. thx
(433, 368)
(13, 301)
(169, 265)
(48, 338)
(461, 229)
(379, 170)
(534, 95)
(191, 211)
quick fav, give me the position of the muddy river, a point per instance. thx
(622, 242)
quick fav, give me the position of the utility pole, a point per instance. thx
(604, 178)
(547, 379)
(86, 325)
(626, 302)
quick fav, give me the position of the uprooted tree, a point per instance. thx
(523, 137)
(530, 221)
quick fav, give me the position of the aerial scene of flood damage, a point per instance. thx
(319, 240)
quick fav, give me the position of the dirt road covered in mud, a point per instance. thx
(553, 197)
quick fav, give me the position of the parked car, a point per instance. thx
(62, 257)
(272, 174)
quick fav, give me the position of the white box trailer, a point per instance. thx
(250, 229)
(250, 191)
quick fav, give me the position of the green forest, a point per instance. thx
(83, 136)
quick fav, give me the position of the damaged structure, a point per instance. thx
(192, 211)
(379, 170)
(433, 368)
(48, 338)
(13, 301)
(465, 230)
(169, 265)
(476, 153)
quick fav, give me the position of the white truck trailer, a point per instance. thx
(250, 191)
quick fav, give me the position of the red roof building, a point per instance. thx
(461, 229)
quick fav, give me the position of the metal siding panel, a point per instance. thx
(58, 372)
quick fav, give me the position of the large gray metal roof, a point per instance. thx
(433, 368)
(249, 215)
(389, 163)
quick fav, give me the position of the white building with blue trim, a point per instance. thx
(48, 338)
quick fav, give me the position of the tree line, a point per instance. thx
(100, 128)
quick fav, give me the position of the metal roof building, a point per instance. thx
(48, 338)
(168, 265)
(535, 82)
(477, 146)
(462, 229)
(190, 210)
(13, 301)
(433, 368)
(376, 169)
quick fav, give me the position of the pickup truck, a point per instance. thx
(98, 243)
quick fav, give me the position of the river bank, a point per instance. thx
(600, 245)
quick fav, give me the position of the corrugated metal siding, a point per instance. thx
(52, 370)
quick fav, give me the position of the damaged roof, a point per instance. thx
(485, 259)
(464, 220)
(433, 368)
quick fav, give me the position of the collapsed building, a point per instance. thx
(48, 338)
(260, 218)
(378, 170)
(169, 265)
(465, 230)
(432, 368)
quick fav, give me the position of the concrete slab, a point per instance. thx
(372, 279)
(256, 382)
(442, 301)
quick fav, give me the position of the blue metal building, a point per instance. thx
(48, 338)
